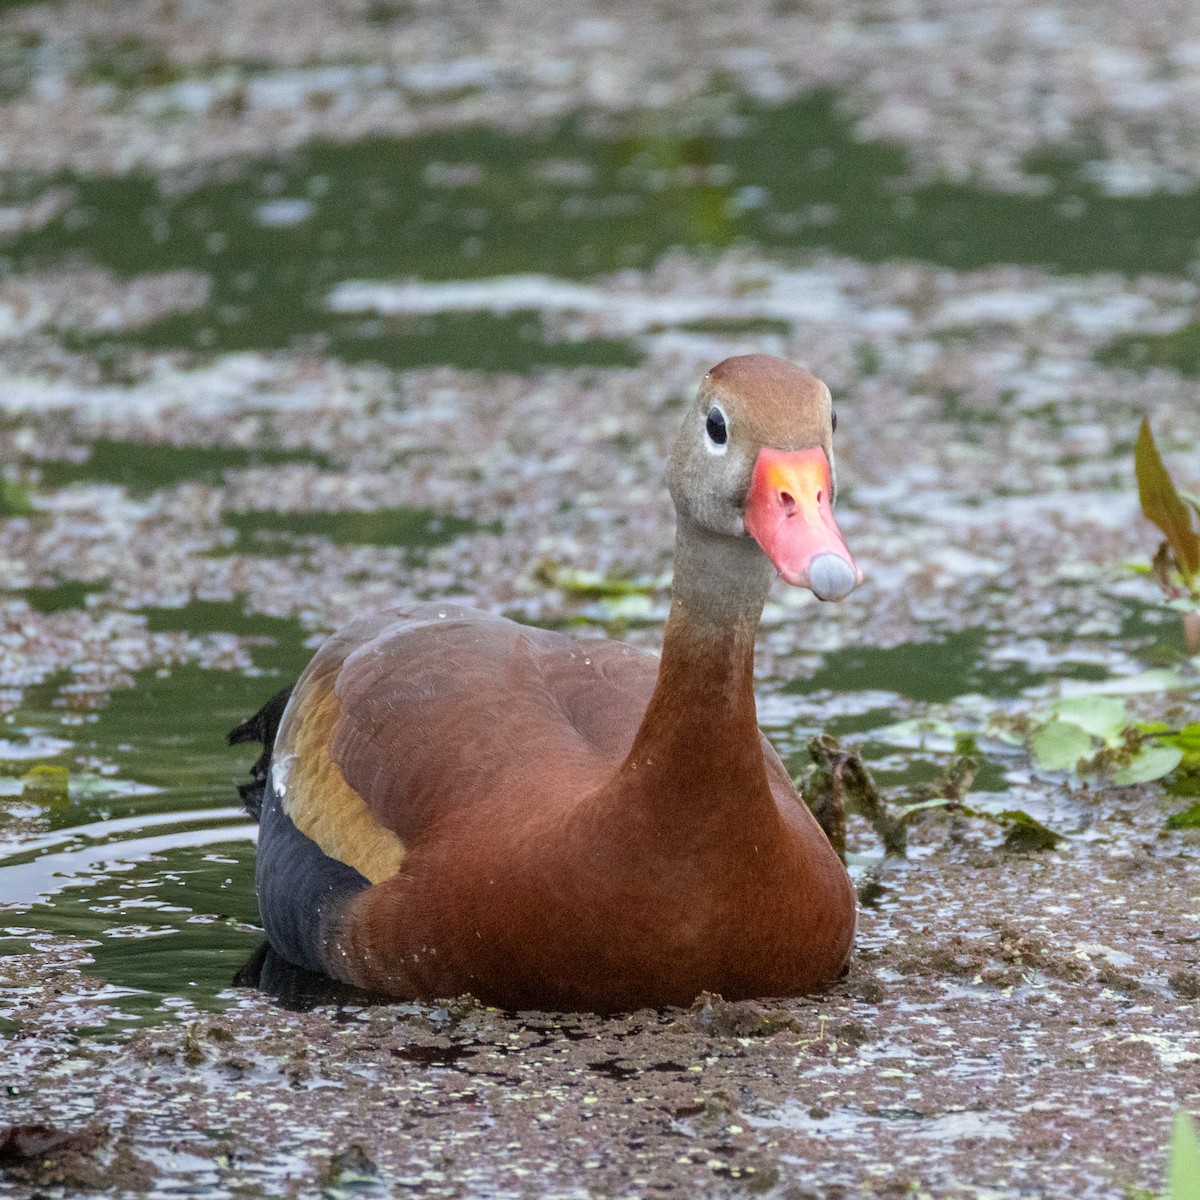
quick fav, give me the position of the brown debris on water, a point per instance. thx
(837, 783)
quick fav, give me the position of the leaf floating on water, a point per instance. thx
(1102, 716)
(631, 607)
(1026, 832)
(1161, 503)
(1152, 761)
(1061, 745)
(1183, 1170)
(593, 585)
(46, 785)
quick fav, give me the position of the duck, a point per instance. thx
(452, 802)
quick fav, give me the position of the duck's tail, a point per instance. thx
(262, 728)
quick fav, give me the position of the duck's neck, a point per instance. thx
(698, 744)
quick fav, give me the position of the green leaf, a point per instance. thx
(1152, 761)
(1161, 503)
(1102, 716)
(1059, 745)
(1188, 819)
(592, 585)
(1183, 1170)
(1026, 832)
(631, 607)
(1187, 739)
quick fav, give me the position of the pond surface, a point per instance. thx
(276, 237)
(148, 857)
(243, 400)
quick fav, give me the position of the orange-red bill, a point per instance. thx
(789, 513)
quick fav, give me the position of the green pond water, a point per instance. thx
(275, 236)
(148, 859)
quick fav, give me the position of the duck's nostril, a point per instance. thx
(788, 503)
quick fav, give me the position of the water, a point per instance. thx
(149, 859)
(276, 236)
(158, 877)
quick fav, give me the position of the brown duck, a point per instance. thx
(458, 803)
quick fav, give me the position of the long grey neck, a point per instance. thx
(720, 586)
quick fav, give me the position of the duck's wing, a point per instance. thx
(414, 713)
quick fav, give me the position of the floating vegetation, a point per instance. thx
(46, 785)
(595, 585)
(1025, 832)
(1189, 818)
(1176, 563)
(1183, 1169)
(1095, 735)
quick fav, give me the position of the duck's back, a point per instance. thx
(408, 715)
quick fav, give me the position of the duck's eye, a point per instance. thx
(718, 434)
(835, 422)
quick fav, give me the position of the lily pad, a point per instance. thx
(1159, 680)
(1152, 761)
(1104, 717)
(1060, 745)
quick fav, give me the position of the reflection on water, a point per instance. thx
(157, 879)
(294, 987)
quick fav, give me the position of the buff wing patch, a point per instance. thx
(316, 796)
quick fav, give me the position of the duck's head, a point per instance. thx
(755, 459)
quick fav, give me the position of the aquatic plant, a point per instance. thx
(1175, 566)
(1095, 735)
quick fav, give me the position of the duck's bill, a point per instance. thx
(789, 513)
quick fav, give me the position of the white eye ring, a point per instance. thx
(714, 447)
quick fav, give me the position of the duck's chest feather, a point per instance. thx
(600, 913)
